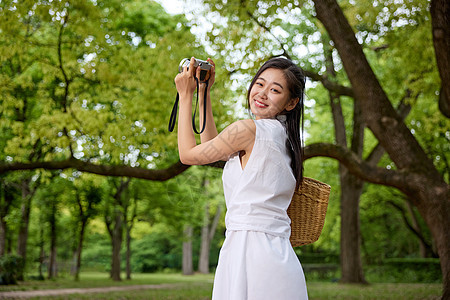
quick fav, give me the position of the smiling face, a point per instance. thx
(269, 95)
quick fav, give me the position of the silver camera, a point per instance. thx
(205, 68)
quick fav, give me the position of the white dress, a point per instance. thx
(257, 261)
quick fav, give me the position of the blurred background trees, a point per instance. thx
(87, 87)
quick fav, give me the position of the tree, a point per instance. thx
(208, 232)
(440, 9)
(88, 196)
(104, 152)
(131, 203)
(114, 221)
(412, 162)
(29, 186)
(8, 195)
(187, 265)
(90, 83)
(423, 183)
(209, 226)
(49, 200)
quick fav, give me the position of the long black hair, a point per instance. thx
(294, 118)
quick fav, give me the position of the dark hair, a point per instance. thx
(294, 118)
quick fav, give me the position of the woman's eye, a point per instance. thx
(276, 91)
(259, 83)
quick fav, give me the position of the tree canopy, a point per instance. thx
(88, 85)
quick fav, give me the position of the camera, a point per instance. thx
(205, 68)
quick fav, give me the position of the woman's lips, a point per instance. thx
(260, 104)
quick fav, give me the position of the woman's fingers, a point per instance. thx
(211, 62)
(197, 71)
(212, 76)
(191, 66)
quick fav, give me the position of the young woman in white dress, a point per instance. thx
(264, 166)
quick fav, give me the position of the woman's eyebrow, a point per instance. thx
(279, 84)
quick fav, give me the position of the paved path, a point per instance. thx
(58, 292)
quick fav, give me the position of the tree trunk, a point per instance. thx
(440, 22)
(415, 224)
(351, 186)
(116, 231)
(41, 253)
(129, 227)
(207, 236)
(25, 209)
(427, 188)
(4, 209)
(203, 261)
(351, 264)
(3, 230)
(23, 231)
(415, 230)
(128, 241)
(79, 250)
(187, 251)
(52, 261)
(116, 245)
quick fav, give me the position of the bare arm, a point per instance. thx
(239, 136)
(210, 131)
(236, 137)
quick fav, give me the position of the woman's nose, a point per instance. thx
(262, 93)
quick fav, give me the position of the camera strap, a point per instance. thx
(173, 115)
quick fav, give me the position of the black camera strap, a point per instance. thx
(173, 115)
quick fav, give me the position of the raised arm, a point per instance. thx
(210, 131)
(236, 137)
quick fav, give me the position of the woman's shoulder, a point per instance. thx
(261, 128)
(243, 127)
(241, 132)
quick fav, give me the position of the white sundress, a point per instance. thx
(257, 261)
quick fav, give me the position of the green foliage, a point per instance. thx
(94, 80)
(10, 268)
(402, 270)
(384, 233)
(91, 79)
(97, 252)
(156, 251)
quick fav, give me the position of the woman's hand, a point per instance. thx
(212, 75)
(185, 81)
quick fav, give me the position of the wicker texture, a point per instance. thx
(307, 211)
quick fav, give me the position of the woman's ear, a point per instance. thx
(292, 103)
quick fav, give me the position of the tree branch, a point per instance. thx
(337, 89)
(403, 180)
(380, 117)
(285, 53)
(61, 67)
(111, 170)
(411, 227)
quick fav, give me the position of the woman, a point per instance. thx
(264, 166)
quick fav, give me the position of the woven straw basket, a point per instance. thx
(307, 211)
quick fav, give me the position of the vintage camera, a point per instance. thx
(205, 68)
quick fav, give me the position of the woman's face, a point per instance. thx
(270, 95)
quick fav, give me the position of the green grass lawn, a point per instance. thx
(199, 286)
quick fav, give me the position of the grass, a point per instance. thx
(100, 279)
(199, 287)
(378, 291)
